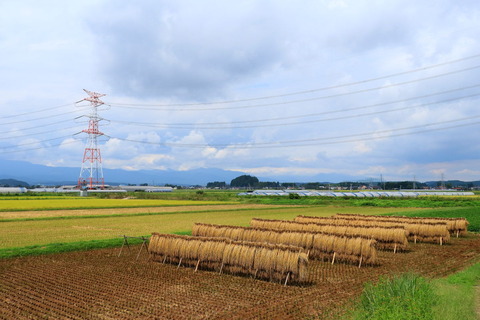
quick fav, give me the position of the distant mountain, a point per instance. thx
(160, 177)
(13, 183)
(45, 175)
(34, 174)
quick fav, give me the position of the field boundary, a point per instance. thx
(119, 207)
(59, 247)
(116, 215)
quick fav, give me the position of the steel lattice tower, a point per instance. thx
(91, 174)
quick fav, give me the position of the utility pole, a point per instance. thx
(91, 173)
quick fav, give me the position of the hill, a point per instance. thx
(13, 183)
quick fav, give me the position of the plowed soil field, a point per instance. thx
(100, 285)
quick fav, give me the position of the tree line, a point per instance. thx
(252, 182)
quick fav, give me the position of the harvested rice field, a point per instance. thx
(240, 276)
(193, 207)
(89, 203)
(29, 228)
(98, 284)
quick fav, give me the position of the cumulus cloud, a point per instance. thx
(155, 58)
(184, 49)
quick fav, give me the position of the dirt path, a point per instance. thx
(90, 212)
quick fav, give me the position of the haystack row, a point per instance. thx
(456, 226)
(349, 222)
(387, 238)
(418, 229)
(319, 245)
(267, 261)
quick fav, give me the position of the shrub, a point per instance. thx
(405, 297)
(293, 196)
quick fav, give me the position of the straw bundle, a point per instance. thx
(423, 230)
(349, 222)
(358, 250)
(456, 226)
(388, 238)
(275, 262)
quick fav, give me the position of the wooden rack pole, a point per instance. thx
(144, 244)
(125, 241)
(286, 280)
(221, 268)
(198, 262)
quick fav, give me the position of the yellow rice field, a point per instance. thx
(84, 203)
(39, 232)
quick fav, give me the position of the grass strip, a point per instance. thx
(406, 296)
(53, 248)
(471, 214)
(392, 202)
(456, 295)
(140, 214)
(409, 296)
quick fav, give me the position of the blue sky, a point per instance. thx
(271, 88)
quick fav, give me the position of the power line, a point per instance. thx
(36, 111)
(189, 126)
(36, 142)
(39, 133)
(43, 147)
(308, 99)
(311, 90)
(41, 118)
(39, 126)
(290, 143)
(308, 142)
(382, 137)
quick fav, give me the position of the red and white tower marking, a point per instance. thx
(91, 174)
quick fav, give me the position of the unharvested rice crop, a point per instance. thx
(262, 260)
(423, 230)
(387, 238)
(319, 245)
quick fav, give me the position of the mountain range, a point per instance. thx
(35, 174)
(45, 175)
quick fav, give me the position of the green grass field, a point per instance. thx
(409, 296)
(472, 214)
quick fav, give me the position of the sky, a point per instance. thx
(359, 88)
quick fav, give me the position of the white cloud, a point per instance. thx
(278, 171)
(155, 60)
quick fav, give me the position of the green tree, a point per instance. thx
(244, 181)
(217, 184)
